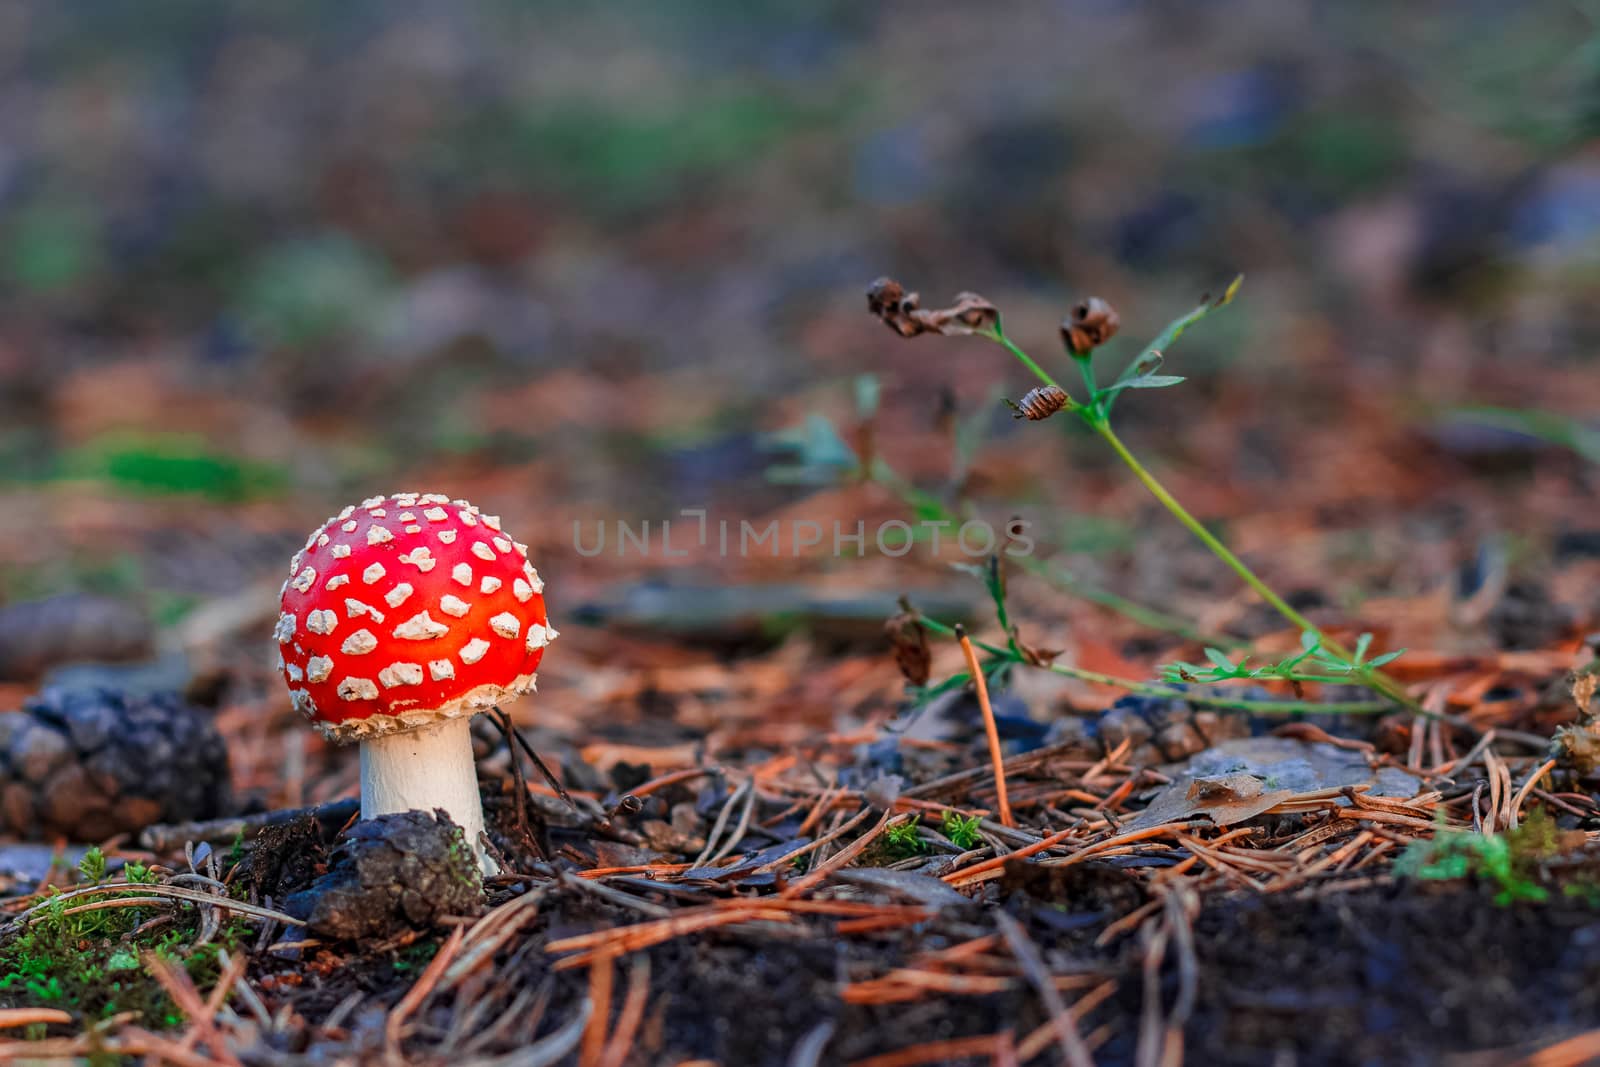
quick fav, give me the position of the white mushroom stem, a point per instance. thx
(422, 770)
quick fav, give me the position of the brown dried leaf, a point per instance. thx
(1036, 656)
(910, 643)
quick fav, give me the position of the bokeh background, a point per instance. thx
(261, 260)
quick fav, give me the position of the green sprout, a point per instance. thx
(903, 839)
(93, 865)
(962, 830)
(1326, 666)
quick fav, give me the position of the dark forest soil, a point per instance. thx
(1394, 973)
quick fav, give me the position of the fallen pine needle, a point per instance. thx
(996, 757)
(979, 872)
(645, 935)
(13, 1017)
(1573, 1052)
(602, 965)
(935, 1052)
(394, 1027)
(1522, 794)
(632, 1015)
(844, 856)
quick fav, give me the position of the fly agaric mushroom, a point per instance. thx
(401, 619)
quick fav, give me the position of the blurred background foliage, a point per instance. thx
(583, 257)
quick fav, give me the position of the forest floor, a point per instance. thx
(771, 856)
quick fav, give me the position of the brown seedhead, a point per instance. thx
(900, 311)
(1091, 324)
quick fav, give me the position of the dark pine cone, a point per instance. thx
(1164, 731)
(89, 763)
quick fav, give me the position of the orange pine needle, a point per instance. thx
(990, 727)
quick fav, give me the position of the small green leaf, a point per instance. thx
(1148, 362)
(1220, 658)
(1147, 381)
(1231, 292)
(867, 393)
(1387, 657)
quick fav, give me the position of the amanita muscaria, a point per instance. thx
(401, 619)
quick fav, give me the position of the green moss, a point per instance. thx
(1509, 862)
(92, 963)
(962, 830)
(463, 861)
(902, 841)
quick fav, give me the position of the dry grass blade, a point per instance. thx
(549, 1050)
(488, 935)
(222, 903)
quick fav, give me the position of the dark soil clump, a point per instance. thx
(389, 874)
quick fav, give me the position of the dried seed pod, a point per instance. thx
(970, 314)
(1040, 403)
(889, 301)
(902, 313)
(910, 642)
(1091, 324)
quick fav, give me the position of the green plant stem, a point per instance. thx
(1086, 365)
(1026, 360)
(1101, 425)
(1153, 618)
(1380, 681)
(1263, 707)
(1308, 679)
(1210, 540)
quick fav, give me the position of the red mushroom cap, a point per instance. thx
(406, 610)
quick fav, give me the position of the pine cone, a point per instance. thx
(1166, 730)
(89, 763)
